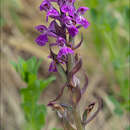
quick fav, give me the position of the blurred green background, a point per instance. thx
(110, 35)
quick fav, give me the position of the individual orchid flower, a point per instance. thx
(47, 7)
(62, 55)
(68, 7)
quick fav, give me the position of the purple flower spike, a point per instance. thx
(70, 20)
(52, 67)
(41, 39)
(82, 10)
(41, 28)
(73, 31)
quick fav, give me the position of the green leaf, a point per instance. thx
(31, 64)
(62, 72)
(31, 79)
(34, 113)
(85, 114)
(27, 107)
(39, 115)
(45, 83)
(28, 95)
(25, 66)
(37, 66)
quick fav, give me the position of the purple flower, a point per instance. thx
(56, 29)
(41, 28)
(82, 10)
(59, 42)
(68, 7)
(41, 39)
(67, 20)
(73, 31)
(70, 24)
(52, 67)
(64, 51)
(51, 11)
(50, 31)
(76, 18)
(81, 20)
(45, 5)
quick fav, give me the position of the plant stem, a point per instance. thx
(77, 119)
(76, 115)
(66, 125)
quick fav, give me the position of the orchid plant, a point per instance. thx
(64, 27)
(34, 112)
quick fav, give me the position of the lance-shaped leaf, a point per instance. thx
(68, 125)
(95, 113)
(71, 41)
(76, 57)
(88, 109)
(75, 69)
(56, 107)
(62, 114)
(58, 66)
(62, 72)
(60, 94)
(79, 44)
(68, 107)
(85, 85)
(76, 95)
(56, 29)
(52, 54)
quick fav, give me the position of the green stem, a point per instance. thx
(66, 125)
(77, 119)
(76, 114)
